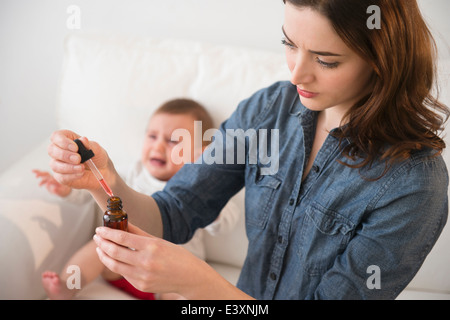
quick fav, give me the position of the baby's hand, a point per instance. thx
(51, 184)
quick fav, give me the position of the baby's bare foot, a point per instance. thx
(55, 288)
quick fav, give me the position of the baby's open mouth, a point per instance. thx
(157, 162)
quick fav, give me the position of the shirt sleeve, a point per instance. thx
(226, 221)
(403, 221)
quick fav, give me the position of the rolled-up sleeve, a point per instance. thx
(194, 198)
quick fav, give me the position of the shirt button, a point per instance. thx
(273, 276)
(291, 202)
(316, 169)
(280, 239)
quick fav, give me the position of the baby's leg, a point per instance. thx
(90, 268)
(55, 288)
(108, 275)
(169, 296)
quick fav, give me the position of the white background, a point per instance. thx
(32, 34)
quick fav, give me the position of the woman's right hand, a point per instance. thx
(66, 162)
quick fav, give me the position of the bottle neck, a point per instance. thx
(114, 204)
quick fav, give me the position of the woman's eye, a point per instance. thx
(327, 64)
(287, 44)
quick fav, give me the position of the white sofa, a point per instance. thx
(109, 87)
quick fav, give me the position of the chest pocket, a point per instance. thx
(259, 198)
(324, 235)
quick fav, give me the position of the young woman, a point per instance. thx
(360, 185)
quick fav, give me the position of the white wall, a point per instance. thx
(32, 33)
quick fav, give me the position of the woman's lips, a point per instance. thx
(306, 94)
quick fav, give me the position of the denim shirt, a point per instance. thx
(336, 234)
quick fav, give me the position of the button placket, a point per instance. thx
(282, 240)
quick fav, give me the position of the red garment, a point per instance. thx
(124, 285)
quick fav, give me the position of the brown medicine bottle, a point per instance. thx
(115, 217)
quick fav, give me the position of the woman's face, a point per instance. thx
(327, 73)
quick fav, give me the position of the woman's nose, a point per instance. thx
(302, 71)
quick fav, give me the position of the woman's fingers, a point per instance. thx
(63, 155)
(122, 238)
(64, 139)
(66, 173)
(114, 252)
(136, 275)
(58, 166)
(133, 229)
(66, 165)
(65, 161)
(153, 265)
(113, 264)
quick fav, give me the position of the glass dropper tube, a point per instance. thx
(86, 156)
(99, 177)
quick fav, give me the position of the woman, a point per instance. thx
(360, 185)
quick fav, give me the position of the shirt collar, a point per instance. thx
(297, 109)
(305, 115)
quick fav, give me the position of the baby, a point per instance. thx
(148, 175)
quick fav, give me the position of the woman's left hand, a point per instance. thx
(153, 265)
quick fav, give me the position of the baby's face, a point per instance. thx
(157, 149)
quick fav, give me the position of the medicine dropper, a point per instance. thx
(86, 156)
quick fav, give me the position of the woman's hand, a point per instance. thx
(66, 162)
(156, 265)
(153, 265)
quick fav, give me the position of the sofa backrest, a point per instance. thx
(110, 85)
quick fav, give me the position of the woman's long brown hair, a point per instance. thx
(401, 115)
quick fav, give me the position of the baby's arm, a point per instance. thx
(53, 186)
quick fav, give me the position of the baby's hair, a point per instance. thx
(190, 107)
